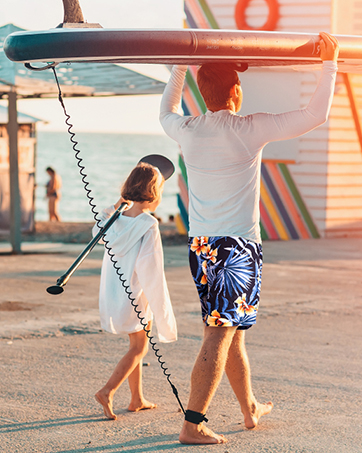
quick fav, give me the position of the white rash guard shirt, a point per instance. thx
(222, 153)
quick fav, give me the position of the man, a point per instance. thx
(222, 153)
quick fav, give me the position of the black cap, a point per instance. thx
(164, 164)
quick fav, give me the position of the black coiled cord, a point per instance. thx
(109, 249)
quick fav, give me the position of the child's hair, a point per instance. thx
(215, 81)
(143, 184)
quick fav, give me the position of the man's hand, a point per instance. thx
(329, 47)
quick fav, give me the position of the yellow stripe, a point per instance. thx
(282, 233)
(180, 225)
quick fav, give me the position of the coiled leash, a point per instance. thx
(117, 268)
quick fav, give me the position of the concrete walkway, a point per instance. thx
(305, 354)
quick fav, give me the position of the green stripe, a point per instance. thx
(195, 91)
(263, 233)
(210, 17)
(182, 166)
(302, 207)
(183, 212)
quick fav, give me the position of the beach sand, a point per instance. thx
(305, 354)
(81, 233)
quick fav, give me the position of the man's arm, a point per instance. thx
(295, 123)
(171, 99)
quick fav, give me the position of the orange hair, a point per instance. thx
(215, 81)
(142, 184)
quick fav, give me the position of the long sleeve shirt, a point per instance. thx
(222, 153)
(136, 244)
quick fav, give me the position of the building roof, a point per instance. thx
(76, 79)
(23, 118)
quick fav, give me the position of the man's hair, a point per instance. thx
(215, 81)
(142, 184)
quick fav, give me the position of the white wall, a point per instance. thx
(328, 168)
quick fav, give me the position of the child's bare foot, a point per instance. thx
(140, 405)
(106, 402)
(199, 434)
(251, 419)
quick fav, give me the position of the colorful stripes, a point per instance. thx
(182, 223)
(283, 214)
(199, 15)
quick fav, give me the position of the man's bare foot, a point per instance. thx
(141, 405)
(106, 402)
(251, 420)
(199, 434)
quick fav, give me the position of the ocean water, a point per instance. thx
(108, 159)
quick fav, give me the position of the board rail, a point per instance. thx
(185, 46)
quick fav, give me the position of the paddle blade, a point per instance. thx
(55, 289)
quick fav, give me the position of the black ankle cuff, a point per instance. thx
(195, 417)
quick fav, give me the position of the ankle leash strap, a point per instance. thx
(195, 417)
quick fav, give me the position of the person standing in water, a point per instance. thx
(53, 187)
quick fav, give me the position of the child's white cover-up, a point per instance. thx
(136, 243)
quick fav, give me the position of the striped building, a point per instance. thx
(311, 186)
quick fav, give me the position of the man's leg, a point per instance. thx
(238, 372)
(205, 378)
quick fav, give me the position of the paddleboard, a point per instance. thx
(186, 46)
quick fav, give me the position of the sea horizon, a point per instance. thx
(108, 157)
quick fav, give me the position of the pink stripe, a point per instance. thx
(267, 223)
(288, 202)
(183, 191)
(191, 103)
(197, 14)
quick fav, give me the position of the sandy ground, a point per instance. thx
(305, 354)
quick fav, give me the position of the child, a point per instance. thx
(135, 241)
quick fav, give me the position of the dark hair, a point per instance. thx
(51, 170)
(215, 81)
(142, 184)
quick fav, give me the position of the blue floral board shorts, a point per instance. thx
(227, 274)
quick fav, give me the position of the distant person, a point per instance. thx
(135, 240)
(222, 153)
(53, 187)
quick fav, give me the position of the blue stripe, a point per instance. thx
(184, 108)
(269, 183)
(189, 18)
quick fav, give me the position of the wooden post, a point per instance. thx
(72, 12)
(15, 212)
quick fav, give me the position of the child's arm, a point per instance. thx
(103, 216)
(106, 214)
(120, 201)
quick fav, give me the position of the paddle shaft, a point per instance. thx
(65, 277)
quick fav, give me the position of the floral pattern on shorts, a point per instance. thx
(227, 274)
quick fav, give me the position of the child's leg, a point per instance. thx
(138, 402)
(137, 350)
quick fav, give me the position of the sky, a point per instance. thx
(125, 114)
